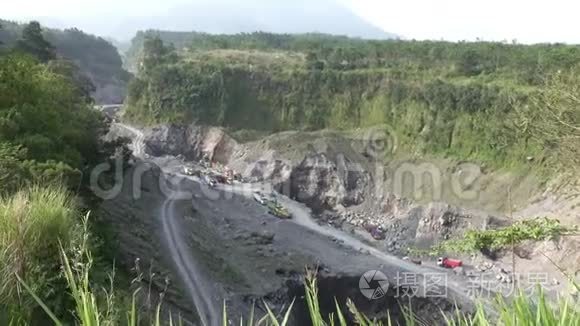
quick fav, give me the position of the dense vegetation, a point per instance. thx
(343, 53)
(98, 60)
(47, 128)
(461, 99)
(50, 137)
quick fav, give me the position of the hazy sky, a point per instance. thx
(525, 20)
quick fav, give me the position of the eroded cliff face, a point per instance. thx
(325, 184)
(319, 175)
(330, 173)
(191, 141)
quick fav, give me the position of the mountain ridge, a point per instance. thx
(230, 17)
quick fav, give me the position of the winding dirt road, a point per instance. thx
(189, 272)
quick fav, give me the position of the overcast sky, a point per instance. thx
(528, 21)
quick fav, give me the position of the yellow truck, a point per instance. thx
(278, 210)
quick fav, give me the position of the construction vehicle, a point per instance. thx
(188, 171)
(260, 198)
(221, 179)
(449, 263)
(278, 210)
(377, 232)
(210, 181)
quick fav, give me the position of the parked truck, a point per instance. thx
(449, 263)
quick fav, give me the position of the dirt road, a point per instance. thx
(196, 286)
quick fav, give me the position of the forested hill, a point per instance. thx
(246, 41)
(479, 57)
(463, 99)
(98, 60)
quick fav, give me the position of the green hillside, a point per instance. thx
(460, 99)
(51, 138)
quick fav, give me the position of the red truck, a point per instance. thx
(448, 262)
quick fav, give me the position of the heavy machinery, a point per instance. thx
(260, 198)
(211, 182)
(376, 231)
(278, 210)
(188, 171)
(448, 262)
(221, 179)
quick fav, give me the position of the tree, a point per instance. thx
(32, 42)
(312, 61)
(153, 52)
(470, 63)
(77, 78)
(44, 112)
(554, 119)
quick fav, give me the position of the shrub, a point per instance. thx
(538, 229)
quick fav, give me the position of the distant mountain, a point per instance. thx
(234, 16)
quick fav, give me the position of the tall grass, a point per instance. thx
(522, 310)
(32, 223)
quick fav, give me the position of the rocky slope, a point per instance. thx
(334, 175)
(324, 173)
(328, 171)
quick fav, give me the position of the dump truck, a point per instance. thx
(278, 210)
(449, 262)
(188, 171)
(260, 198)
